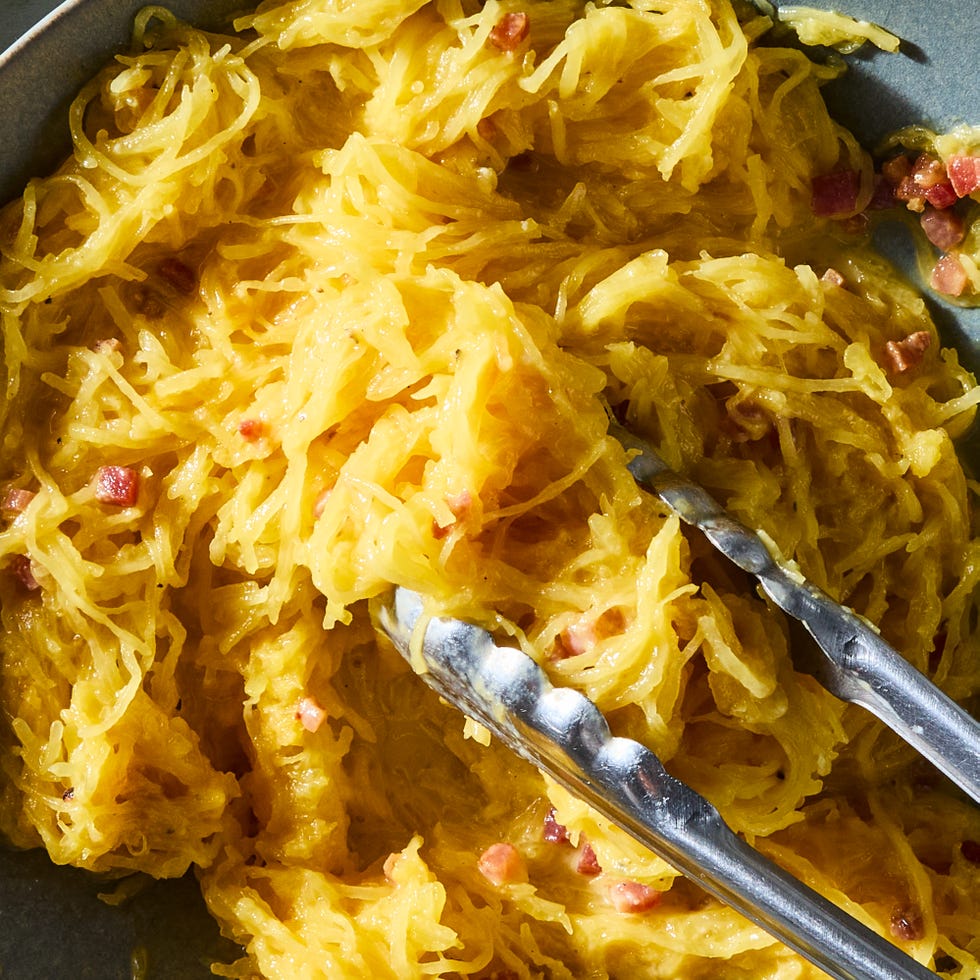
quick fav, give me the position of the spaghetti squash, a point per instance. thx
(337, 302)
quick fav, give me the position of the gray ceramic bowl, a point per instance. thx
(51, 921)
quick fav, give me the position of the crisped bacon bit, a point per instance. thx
(833, 278)
(180, 276)
(911, 193)
(309, 714)
(15, 500)
(835, 194)
(588, 863)
(907, 924)
(964, 174)
(117, 485)
(920, 183)
(502, 864)
(582, 635)
(577, 639)
(24, 572)
(252, 429)
(949, 276)
(510, 31)
(970, 849)
(903, 355)
(554, 832)
(928, 171)
(941, 196)
(460, 504)
(631, 896)
(943, 228)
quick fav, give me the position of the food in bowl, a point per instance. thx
(339, 302)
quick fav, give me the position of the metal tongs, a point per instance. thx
(564, 734)
(856, 665)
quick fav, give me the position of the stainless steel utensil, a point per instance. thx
(857, 664)
(563, 733)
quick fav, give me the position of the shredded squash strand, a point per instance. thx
(339, 302)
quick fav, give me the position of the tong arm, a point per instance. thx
(857, 665)
(564, 734)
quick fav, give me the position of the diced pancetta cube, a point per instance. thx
(321, 501)
(460, 504)
(578, 638)
(949, 276)
(251, 429)
(964, 173)
(24, 572)
(554, 832)
(836, 193)
(903, 355)
(928, 171)
(632, 896)
(502, 864)
(943, 228)
(588, 863)
(907, 924)
(585, 632)
(16, 499)
(117, 485)
(896, 169)
(510, 31)
(941, 196)
(309, 713)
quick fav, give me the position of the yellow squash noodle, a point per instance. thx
(342, 299)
